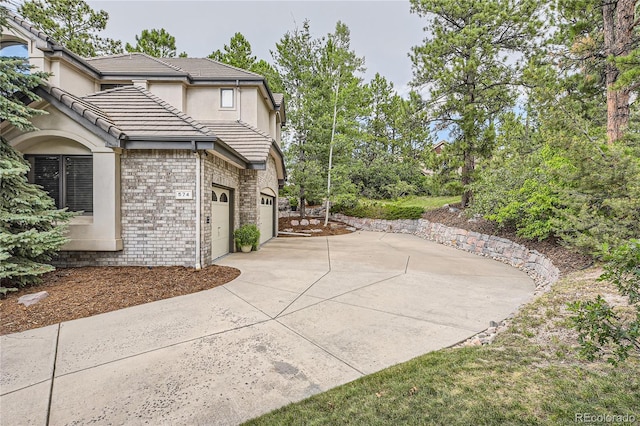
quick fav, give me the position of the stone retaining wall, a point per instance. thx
(538, 267)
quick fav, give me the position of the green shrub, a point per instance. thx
(379, 211)
(247, 235)
(603, 330)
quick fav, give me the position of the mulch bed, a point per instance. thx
(82, 292)
(332, 228)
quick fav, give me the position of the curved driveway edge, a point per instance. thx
(304, 316)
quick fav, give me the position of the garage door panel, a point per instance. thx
(267, 205)
(220, 223)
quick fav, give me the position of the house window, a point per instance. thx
(68, 179)
(226, 98)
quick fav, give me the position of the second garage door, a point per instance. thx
(266, 217)
(220, 223)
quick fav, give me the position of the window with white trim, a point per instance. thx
(226, 98)
(68, 179)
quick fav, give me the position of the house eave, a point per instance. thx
(111, 140)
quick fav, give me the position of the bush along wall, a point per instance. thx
(537, 266)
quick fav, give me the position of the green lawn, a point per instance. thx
(529, 376)
(426, 202)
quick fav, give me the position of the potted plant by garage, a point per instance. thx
(247, 237)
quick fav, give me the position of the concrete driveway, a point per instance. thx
(304, 316)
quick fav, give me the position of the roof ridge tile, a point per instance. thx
(85, 109)
(256, 130)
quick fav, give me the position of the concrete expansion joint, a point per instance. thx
(302, 294)
(320, 347)
(53, 372)
(407, 316)
(181, 342)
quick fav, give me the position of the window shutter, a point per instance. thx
(79, 180)
(46, 172)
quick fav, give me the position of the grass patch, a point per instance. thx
(403, 208)
(425, 202)
(530, 375)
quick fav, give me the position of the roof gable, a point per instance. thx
(142, 115)
(248, 141)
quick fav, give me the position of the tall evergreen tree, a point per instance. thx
(31, 228)
(238, 53)
(323, 86)
(154, 42)
(73, 23)
(468, 63)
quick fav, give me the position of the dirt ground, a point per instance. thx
(81, 292)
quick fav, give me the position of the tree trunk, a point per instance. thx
(467, 177)
(618, 18)
(302, 202)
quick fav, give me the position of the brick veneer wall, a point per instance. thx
(248, 197)
(157, 229)
(538, 267)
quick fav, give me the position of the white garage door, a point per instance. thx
(219, 222)
(266, 217)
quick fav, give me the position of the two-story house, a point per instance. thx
(163, 157)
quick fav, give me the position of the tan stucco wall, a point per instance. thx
(59, 134)
(263, 119)
(203, 103)
(71, 80)
(172, 93)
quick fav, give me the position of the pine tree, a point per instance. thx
(154, 42)
(31, 228)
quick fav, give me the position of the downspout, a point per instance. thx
(239, 96)
(198, 208)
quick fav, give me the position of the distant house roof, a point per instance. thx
(248, 141)
(208, 68)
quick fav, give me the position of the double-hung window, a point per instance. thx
(68, 179)
(226, 98)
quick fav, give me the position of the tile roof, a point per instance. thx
(139, 113)
(248, 141)
(134, 64)
(142, 64)
(208, 68)
(86, 110)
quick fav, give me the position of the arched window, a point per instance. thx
(214, 197)
(223, 198)
(12, 48)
